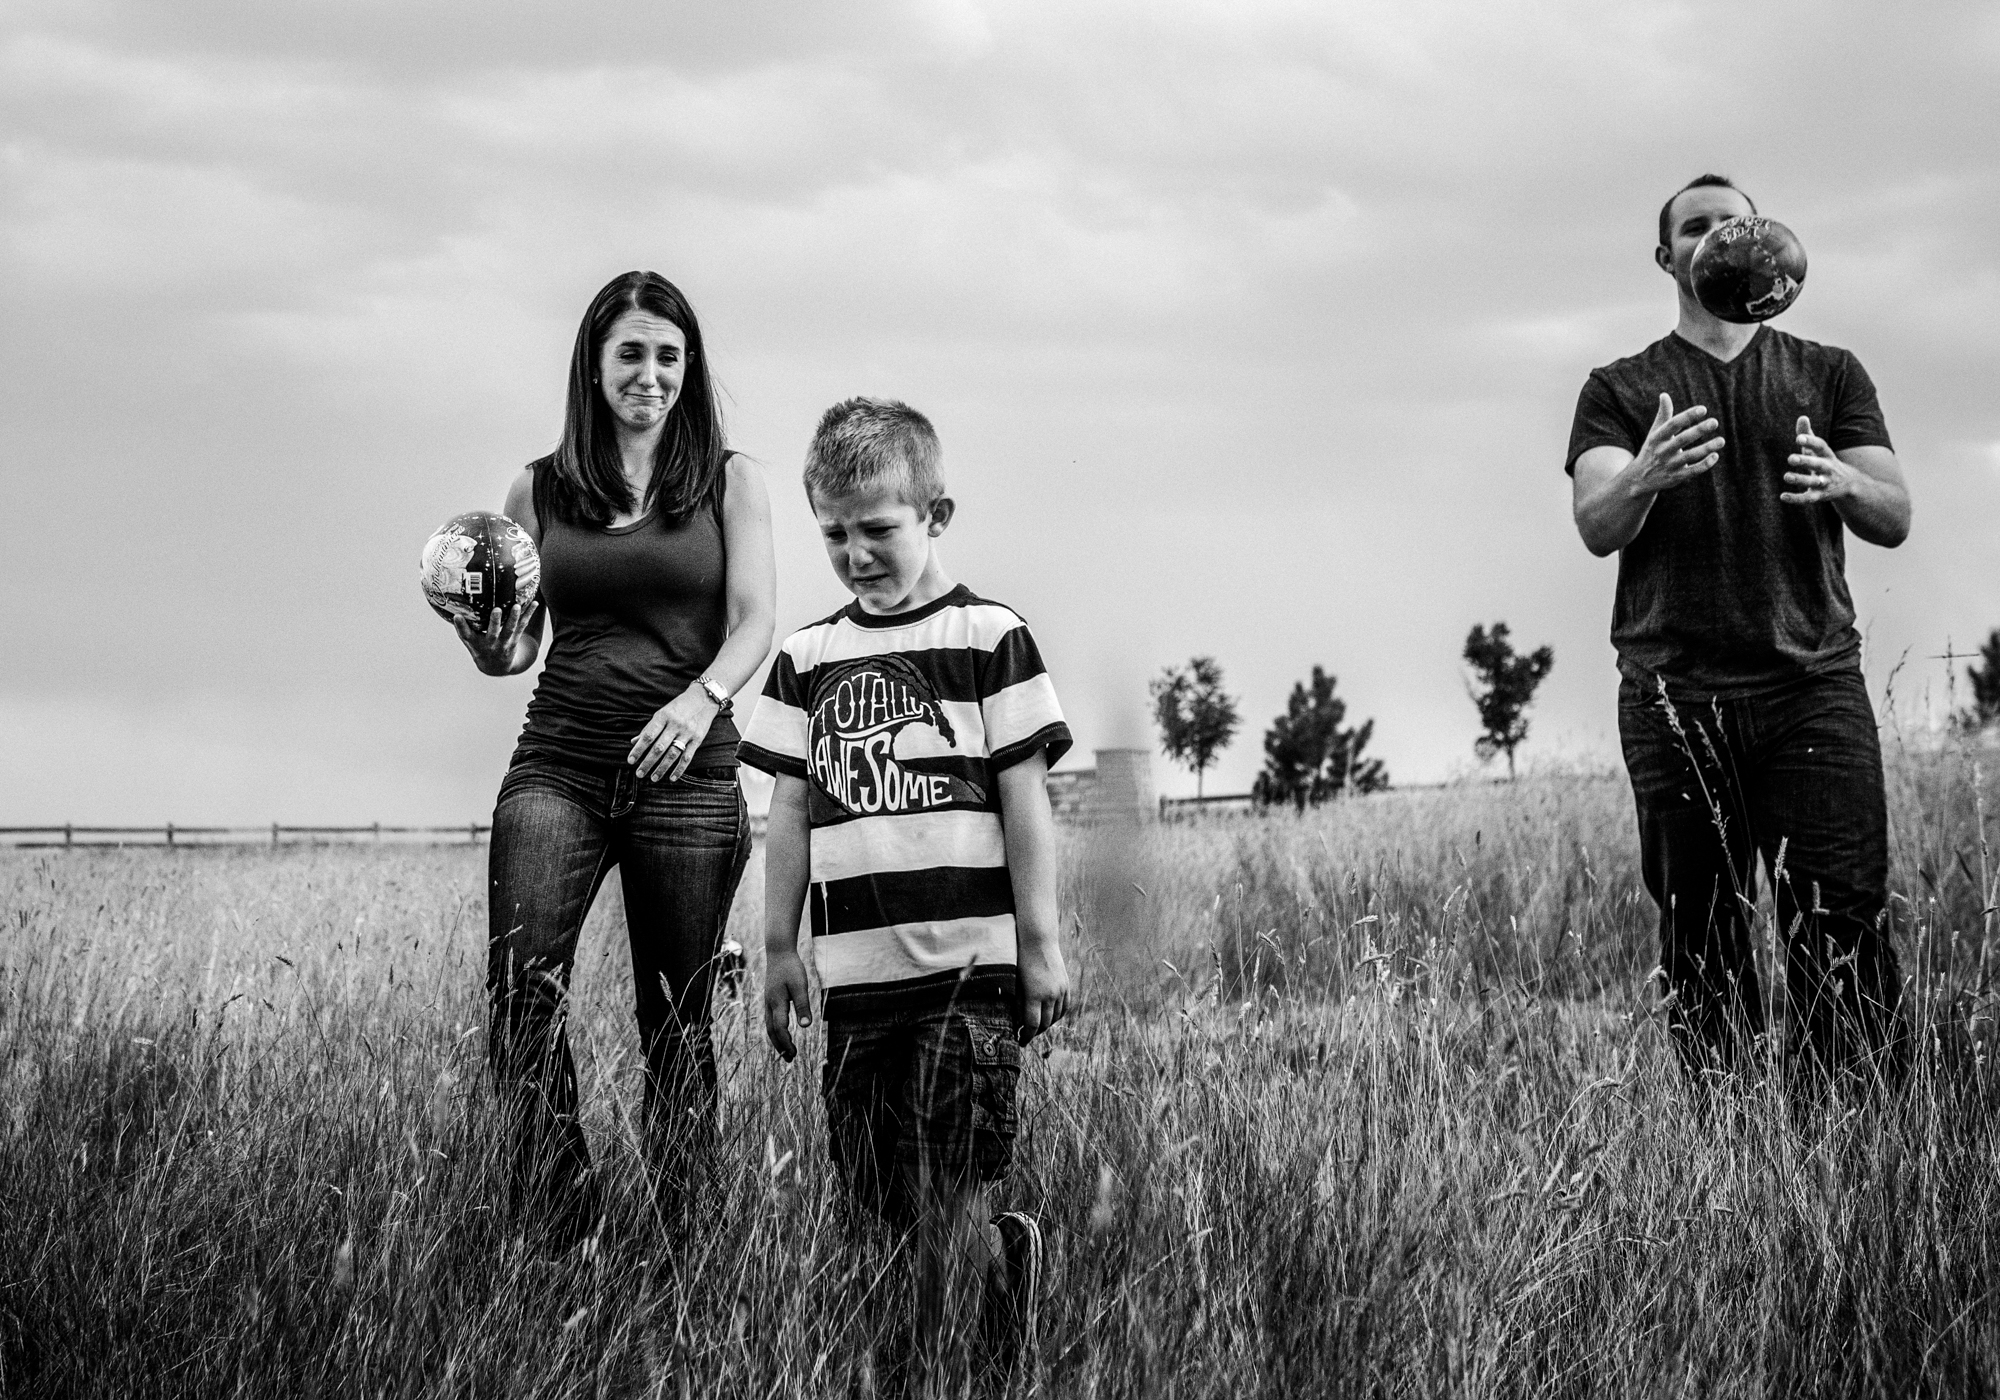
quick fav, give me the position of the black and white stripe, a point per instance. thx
(908, 862)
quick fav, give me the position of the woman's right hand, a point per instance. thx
(493, 646)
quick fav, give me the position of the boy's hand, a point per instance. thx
(785, 991)
(1044, 986)
(1031, 865)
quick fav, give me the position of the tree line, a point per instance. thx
(1311, 753)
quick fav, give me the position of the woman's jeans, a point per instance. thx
(1793, 776)
(558, 828)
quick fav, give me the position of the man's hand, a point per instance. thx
(1817, 475)
(1044, 986)
(1678, 448)
(785, 991)
(1613, 490)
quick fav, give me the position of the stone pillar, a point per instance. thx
(1119, 806)
(1124, 789)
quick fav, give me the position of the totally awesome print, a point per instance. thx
(873, 739)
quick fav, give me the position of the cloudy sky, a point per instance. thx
(1251, 329)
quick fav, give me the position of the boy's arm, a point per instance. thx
(1031, 864)
(787, 857)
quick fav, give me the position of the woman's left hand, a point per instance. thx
(668, 743)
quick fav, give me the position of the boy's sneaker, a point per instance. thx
(1011, 1302)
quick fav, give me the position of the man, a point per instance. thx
(1726, 464)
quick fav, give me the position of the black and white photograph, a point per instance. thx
(991, 698)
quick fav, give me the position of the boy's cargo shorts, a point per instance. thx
(926, 1092)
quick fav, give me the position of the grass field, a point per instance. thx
(1369, 1101)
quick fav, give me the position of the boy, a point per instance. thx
(910, 735)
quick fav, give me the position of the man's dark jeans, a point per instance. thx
(558, 828)
(1793, 776)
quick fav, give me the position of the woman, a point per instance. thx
(657, 572)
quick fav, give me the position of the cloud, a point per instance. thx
(1252, 329)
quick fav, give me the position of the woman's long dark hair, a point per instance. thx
(584, 481)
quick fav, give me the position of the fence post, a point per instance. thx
(378, 833)
(170, 833)
(69, 832)
(472, 833)
(274, 836)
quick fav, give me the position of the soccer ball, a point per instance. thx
(1748, 269)
(477, 562)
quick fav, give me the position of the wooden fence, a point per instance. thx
(1171, 807)
(471, 833)
(276, 834)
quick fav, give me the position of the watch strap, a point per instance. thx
(724, 702)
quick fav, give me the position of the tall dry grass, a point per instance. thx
(1365, 1101)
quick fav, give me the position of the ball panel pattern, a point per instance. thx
(1748, 269)
(477, 562)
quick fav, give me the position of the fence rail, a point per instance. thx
(469, 833)
(1247, 802)
(71, 834)
(276, 834)
(1228, 801)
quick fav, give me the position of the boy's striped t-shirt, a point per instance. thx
(899, 725)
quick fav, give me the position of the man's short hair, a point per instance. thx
(1698, 182)
(863, 442)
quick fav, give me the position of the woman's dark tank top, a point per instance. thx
(637, 612)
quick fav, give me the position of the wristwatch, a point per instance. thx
(723, 704)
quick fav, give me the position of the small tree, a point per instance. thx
(1985, 677)
(1309, 756)
(1506, 684)
(1197, 718)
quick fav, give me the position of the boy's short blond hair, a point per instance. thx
(863, 442)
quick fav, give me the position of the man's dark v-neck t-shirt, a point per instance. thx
(1726, 590)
